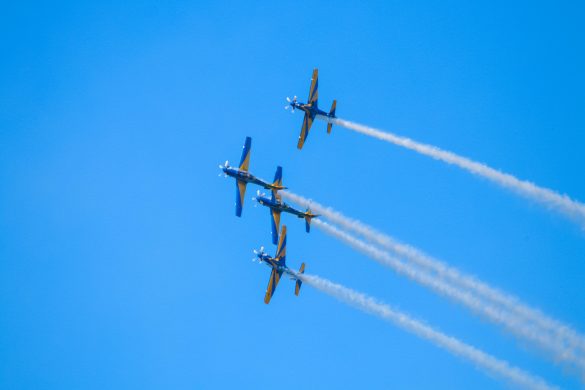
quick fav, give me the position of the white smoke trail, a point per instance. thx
(483, 360)
(563, 203)
(496, 314)
(562, 333)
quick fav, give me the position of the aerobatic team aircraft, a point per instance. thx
(277, 206)
(278, 265)
(243, 177)
(311, 109)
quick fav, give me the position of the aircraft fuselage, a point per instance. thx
(311, 109)
(281, 206)
(246, 177)
(272, 263)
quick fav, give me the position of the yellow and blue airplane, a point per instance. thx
(311, 109)
(278, 265)
(243, 177)
(277, 206)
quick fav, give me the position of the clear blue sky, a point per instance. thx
(122, 264)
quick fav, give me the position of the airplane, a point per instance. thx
(311, 109)
(277, 206)
(278, 265)
(243, 177)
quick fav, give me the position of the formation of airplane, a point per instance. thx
(311, 109)
(243, 177)
(278, 265)
(275, 203)
(277, 206)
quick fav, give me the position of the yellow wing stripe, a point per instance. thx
(314, 92)
(281, 249)
(307, 123)
(272, 283)
(244, 166)
(242, 190)
(276, 216)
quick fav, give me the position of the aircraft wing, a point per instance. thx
(240, 192)
(272, 283)
(275, 225)
(245, 160)
(281, 249)
(314, 91)
(307, 123)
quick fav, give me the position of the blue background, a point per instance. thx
(122, 264)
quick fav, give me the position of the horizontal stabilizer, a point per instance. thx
(277, 183)
(299, 281)
(331, 115)
(308, 217)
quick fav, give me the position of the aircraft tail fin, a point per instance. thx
(331, 115)
(299, 281)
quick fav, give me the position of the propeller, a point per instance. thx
(222, 167)
(291, 104)
(258, 195)
(255, 198)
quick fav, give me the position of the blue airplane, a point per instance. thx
(278, 265)
(311, 110)
(243, 177)
(277, 206)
